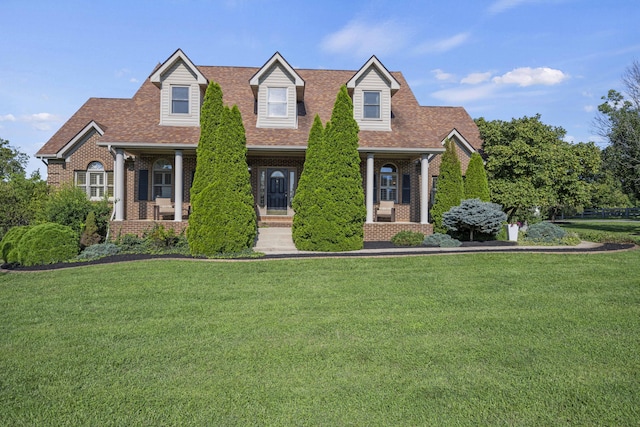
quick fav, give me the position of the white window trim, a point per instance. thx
(285, 102)
(154, 184)
(393, 187)
(106, 186)
(188, 100)
(364, 105)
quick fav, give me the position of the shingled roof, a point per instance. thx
(136, 120)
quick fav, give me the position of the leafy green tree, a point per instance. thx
(224, 218)
(21, 200)
(21, 197)
(476, 184)
(12, 161)
(303, 224)
(618, 121)
(475, 216)
(334, 211)
(210, 116)
(529, 166)
(450, 189)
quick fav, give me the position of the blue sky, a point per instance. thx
(497, 58)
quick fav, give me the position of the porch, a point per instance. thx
(373, 232)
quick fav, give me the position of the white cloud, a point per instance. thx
(589, 108)
(8, 118)
(475, 78)
(39, 121)
(363, 38)
(500, 6)
(442, 76)
(133, 80)
(443, 45)
(458, 96)
(527, 76)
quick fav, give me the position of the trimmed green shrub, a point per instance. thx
(407, 238)
(9, 243)
(441, 240)
(210, 117)
(450, 189)
(68, 206)
(47, 243)
(90, 234)
(302, 229)
(99, 251)
(476, 184)
(130, 243)
(333, 210)
(474, 215)
(223, 218)
(545, 232)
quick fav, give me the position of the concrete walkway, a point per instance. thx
(278, 241)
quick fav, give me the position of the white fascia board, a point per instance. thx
(255, 80)
(145, 145)
(454, 133)
(374, 62)
(389, 150)
(91, 126)
(178, 55)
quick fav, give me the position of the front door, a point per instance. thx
(277, 192)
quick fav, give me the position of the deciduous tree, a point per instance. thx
(529, 166)
(618, 121)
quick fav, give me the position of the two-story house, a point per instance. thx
(143, 148)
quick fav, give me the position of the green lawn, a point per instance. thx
(613, 230)
(475, 339)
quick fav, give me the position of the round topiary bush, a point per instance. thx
(440, 240)
(47, 243)
(545, 232)
(407, 238)
(9, 243)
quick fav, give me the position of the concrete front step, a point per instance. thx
(273, 240)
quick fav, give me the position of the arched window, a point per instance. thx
(95, 181)
(162, 179)
(389, 183)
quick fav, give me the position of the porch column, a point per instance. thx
(119, 195)
(424, 191)
(177, 217)
(369, 197)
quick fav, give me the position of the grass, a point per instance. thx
(605, 231)
(476, 339)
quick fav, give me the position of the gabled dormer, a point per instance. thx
(371, 89)
(277, 89)
(180, 84)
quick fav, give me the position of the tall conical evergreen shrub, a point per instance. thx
(223, 218)
(450, 190)
(338, 211)
(476, 184)
(303, 223)
(210, 116)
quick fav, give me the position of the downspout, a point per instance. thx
(113, 210)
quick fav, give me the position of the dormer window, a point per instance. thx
(371, 107)
(180, 100)
(277, 102)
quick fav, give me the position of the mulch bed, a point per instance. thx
(467, 247)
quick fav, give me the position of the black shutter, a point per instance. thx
(143, 184)
(406, 189)
(375, 188)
